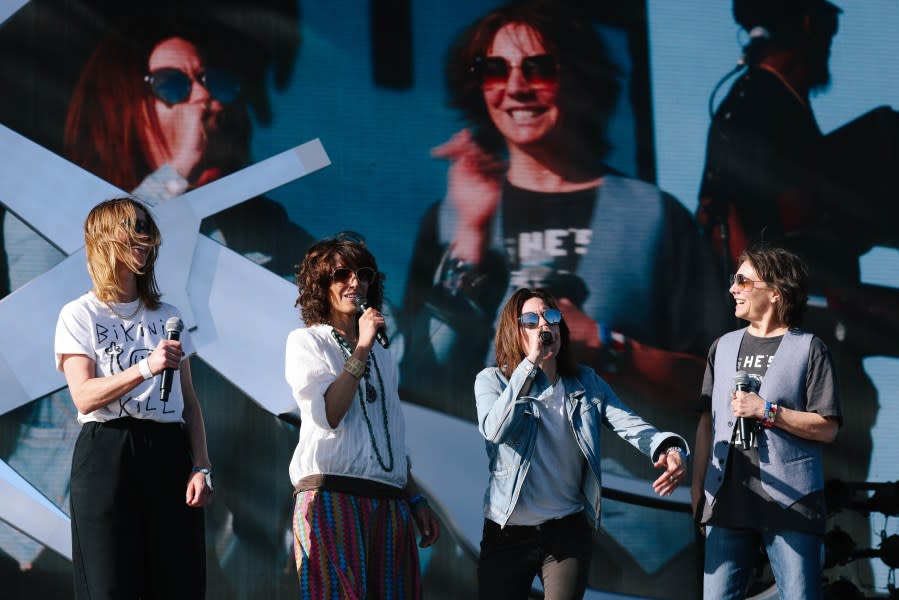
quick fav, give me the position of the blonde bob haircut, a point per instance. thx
(109, 235)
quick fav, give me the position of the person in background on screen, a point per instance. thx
(768, 487)
(140, 469)
(540, 414)
(530, 203)
(351, 456)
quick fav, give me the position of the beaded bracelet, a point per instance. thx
(417, 499)
(354, 367)
(770, 414)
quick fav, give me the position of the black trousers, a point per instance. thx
(133, 535)
(558, 550)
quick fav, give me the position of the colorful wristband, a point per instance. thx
(417, 499)
(770, 414)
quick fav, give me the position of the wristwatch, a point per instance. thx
(206, 473)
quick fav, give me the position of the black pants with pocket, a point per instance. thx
(558, 550)
(133, 534)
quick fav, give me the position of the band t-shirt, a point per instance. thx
(741, 502)
(116, 338)
(543, 241)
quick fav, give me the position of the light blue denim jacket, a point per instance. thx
(509, 422)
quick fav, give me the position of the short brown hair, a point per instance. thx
(785, 272)
(106, 247)
(509, 351)
(313, 278)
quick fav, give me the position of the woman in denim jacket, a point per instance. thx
(540, 413)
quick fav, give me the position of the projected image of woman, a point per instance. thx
(530, 203)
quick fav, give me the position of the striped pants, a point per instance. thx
(354, 547)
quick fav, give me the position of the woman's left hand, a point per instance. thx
(198, 493)
(427, 523)
(675, 472)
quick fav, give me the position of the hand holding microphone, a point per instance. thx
(380, 334)
(744, 383)
(173, 328)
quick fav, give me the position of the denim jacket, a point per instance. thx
(509, 420)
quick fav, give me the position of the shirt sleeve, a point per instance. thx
(73, 334)
(309, 375)
(708, 382)
(822, 389)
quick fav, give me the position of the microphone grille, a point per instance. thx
(174, 324)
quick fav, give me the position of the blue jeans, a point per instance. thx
(796, 558)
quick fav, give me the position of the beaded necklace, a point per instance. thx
(371, 396)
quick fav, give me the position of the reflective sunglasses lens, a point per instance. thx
(342, 275)
(222, 85)
(365, 275)
(170, 85)
(553, 316)
(529, 320)
(540, 70)
(494, 71)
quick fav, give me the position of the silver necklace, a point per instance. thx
(140, 306)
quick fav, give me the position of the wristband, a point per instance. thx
(770, 414)
(144, 367)
(354, 367)
(207, 473)
(417, 499)
(684, 454)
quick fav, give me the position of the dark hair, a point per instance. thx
(314, 274)
(588, 87)
(111, 109)
(785, 272)
(508, 334)
(784, 18)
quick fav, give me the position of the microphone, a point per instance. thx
(546, 338)
(744, 383)
(758, 37)
(380, 334)
(173, 328)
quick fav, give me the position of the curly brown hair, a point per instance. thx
(509, 349)
(313, 276)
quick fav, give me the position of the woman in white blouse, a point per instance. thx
(356, 500)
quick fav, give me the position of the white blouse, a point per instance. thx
(313, 361)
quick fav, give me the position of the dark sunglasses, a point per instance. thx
(141, 226)
(742, 282)
(531, 320)
(364, 275)
(173, 86)
(539, 70)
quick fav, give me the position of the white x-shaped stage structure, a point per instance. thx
(228, 302)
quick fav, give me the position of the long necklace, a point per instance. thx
(140, 306)
(371, 396)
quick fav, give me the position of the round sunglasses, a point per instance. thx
(173, 86)
(364, 275)
(531, 320)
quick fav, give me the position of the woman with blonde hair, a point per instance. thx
(140, 466)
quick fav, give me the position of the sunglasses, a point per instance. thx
(539, 70)
(173, 86)
(531, 320)
(365, 275)
(141, 226)
(742, 282)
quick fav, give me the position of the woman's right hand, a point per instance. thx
(369, 322)
(474, 184)
(166, 355)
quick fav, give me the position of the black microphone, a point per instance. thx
(380, 334)
(546, 338)
(173, 328)
(744, 383)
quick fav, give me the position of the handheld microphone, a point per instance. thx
(173, 328)
(380, 334)
(546, 338)
(744, 383)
